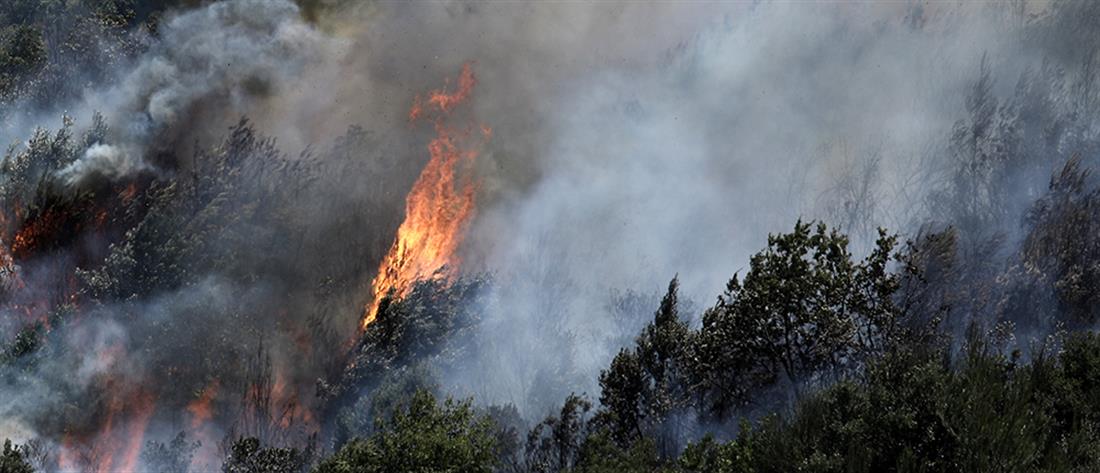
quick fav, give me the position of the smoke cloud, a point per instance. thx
(107, 161)
(677, 144)
(206, 68)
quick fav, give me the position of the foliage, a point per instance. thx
(374, 409)
(644, 390)
(50, 49)
(424, 436)
(710, 456)
(22, 52)
(508, 426)
(804, 308)
(246, 455)
(1059, 251)
(12, 459)
(877, 386)
(601, 454)
(409, 330)
(554, 444)
(172, 457)
(917, 413)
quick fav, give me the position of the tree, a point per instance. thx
(709, 456)
(508, 425)
(371, 411)
(981, 411)
(664, 351)
(21, 51)
(621, 387)
(554, 444)
(12, 459)
(171, 457)
(646, 387)
(248, 456)
(1060, 252)
(728, 367)
(424, 436)
(410, 329)
(601, 454)
(804, 308)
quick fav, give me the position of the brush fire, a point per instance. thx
(129, 399)
(338, 236)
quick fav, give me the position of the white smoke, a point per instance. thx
(105, 161)
(681, 154)
(207, 68)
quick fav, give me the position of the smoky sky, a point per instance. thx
(633, 144)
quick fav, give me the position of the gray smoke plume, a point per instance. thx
(207, 68)
(108, 161)
(649, 142)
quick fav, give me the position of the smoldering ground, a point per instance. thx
(630, 143)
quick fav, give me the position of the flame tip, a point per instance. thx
(438, 207)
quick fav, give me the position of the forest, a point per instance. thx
(340, 236)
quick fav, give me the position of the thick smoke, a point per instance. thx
(676, 144)
(110, 162)
(163, 114)
(206, 69)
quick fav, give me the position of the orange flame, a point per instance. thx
(201, 412)
(8, 274)
(200, 409)
(117, 444)
(439, 205)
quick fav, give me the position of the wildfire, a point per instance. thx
(117, 444)
(201, 412)
(200, 409)
(8, 274)
(440, 203)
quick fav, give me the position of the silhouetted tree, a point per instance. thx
(248, 456)
(172, 457)
(554, 444)
(644, 387)
(12, 460)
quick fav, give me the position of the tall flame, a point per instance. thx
(201, 412)
(439, 205)
(116, 446)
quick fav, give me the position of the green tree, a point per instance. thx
(601, 454)
(918, 412)
(804, 308)
(424, 436)
(709, 456)
(371, 411)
